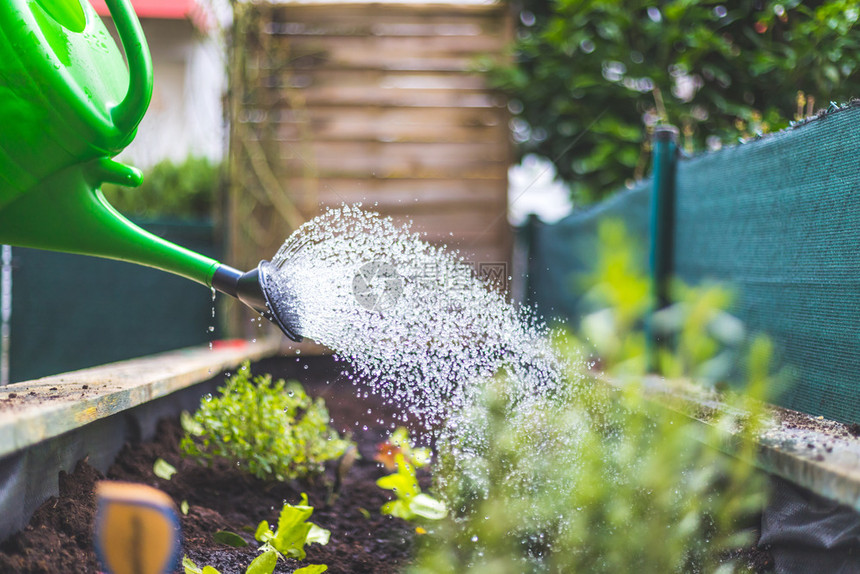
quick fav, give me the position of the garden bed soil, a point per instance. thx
(59, 537)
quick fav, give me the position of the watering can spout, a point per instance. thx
(255, 289)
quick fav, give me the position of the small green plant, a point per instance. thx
(293, 531)
(273, 430)
(410, 503)
(399, 443)
(292, 534)
(263, 564)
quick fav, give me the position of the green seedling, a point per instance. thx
(410, 503)
(273, 430)
(192, 568)
(265, 563)
(399, 443)
(163, 469)
(293, 531)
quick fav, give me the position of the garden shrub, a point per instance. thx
(604, 478)
(589, 79)
(604, 481)
(186, 190)
(272, 430)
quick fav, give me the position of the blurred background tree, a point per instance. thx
(183, 190)
(590, 78)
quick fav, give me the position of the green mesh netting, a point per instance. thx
(560, 252)
(779, 220)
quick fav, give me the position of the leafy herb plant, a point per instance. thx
(263, 564)
(274, 430)
(290, 537)
(398, 443)
(398, 454)
(293, 531)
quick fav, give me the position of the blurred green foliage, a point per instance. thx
(607, 481)
(185, 190)
(605, 477)
(591, 78)
(270, 429)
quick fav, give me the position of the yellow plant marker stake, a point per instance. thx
(136, 529)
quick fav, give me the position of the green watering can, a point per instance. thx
(68, 104)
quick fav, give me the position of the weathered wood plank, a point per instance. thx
(394, 125)
(323, 79)
(376, 95)
(33, 411)
(408, 194)
(408, 160)
(345, 51)
(348, 18)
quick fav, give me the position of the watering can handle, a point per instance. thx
(128, 113)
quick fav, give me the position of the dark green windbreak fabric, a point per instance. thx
(778, 220)
(562, 251)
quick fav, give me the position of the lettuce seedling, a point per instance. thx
(192, 568)
(293, 532)
(274, 430)
(399, 443)
(410, 502)
(265, 563)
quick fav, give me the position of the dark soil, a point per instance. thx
(59, 537)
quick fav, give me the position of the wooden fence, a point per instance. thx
(374, 103)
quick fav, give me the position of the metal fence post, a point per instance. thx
(665, 153)
(5, 311)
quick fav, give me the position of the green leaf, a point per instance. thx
(264, 563)
(183, 507)
(263, 532)
(428, 507)
(229, 538)
(190, 424)
(311, 569)
(399, 508)
(403, 482)
(318, 535)
(190, 566)
(163, 469)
